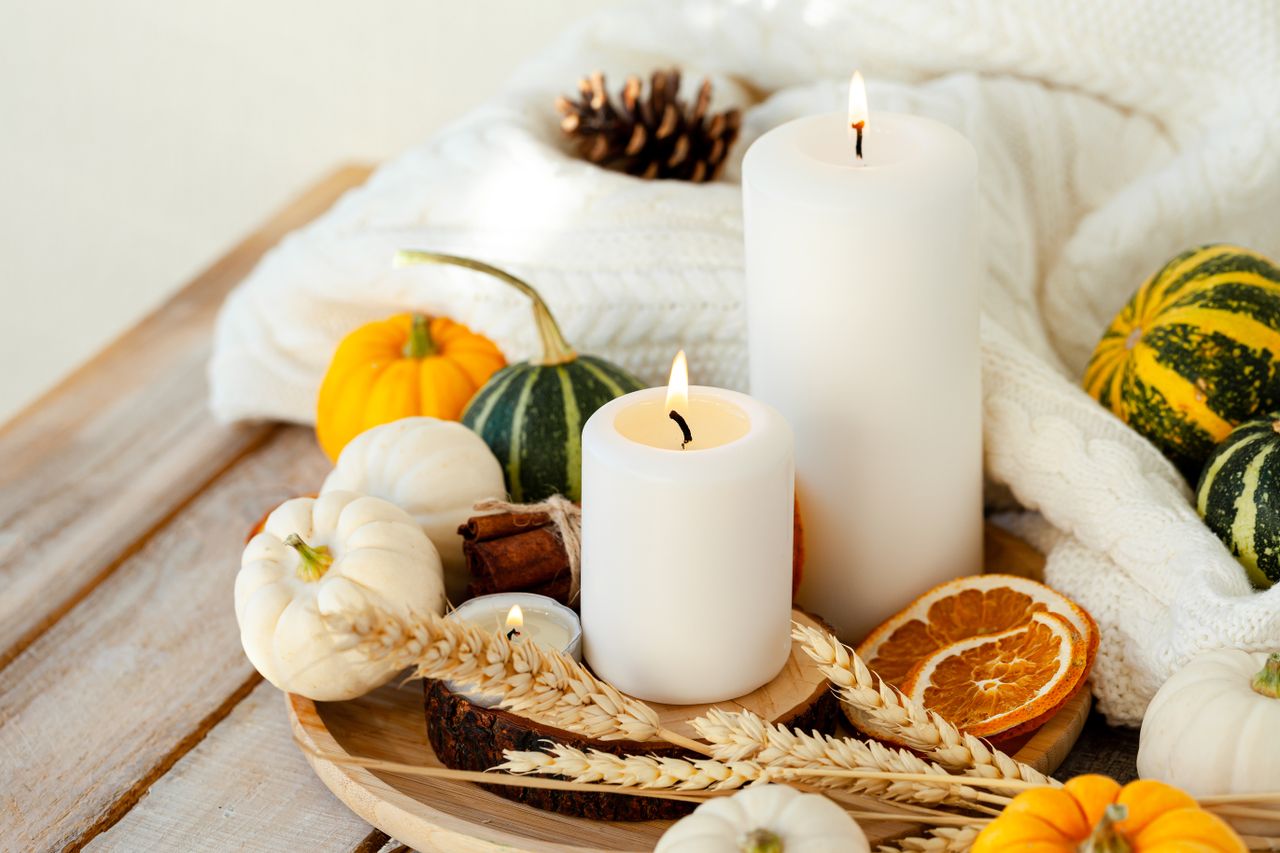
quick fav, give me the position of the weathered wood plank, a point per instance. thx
(92, 468)
(130, 679)
(245, 786)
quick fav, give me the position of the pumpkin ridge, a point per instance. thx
(489, 396)
(1232, 259)
(543, 447)
(517, 434)
(1188, 267)
(1266, 532)
(335, 421)
(1236, 282)
(590, 363)
(1108, 377)
(1221, 323)
(573, 425)
(1210, 479)
(1176, 392)
(439, 379)
(1209, 370)
(391, 396)
(1244, 525)
(1101, 368)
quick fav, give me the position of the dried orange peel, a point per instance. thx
(997, 655)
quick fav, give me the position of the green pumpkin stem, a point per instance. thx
(1106, 838)
(1267, 682)
(761, 841)
(420, 344)
(315, 561)
(555, 349)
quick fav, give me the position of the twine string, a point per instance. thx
(566, 521)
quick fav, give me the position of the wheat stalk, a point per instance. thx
(690, 776)
(890, 714)
(529, 679)
(703, 775)
(643, 771)
(742, 735)
(491, 778)
(943, 839)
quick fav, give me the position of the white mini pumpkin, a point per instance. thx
(766, 819)
(340, 552)
(435, 470)
(1210, 730)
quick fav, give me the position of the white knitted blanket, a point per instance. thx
(1111, 135)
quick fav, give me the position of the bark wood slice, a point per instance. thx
(458, 817)
(468, 737)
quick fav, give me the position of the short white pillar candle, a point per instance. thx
(686, 550)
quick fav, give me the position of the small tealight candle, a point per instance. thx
(523, 617)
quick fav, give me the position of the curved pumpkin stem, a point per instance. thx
(1267, 682)
(1106, 838)
(555, 349)
(420, 344)
(315, 561)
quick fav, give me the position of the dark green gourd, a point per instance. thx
(1239, 497)
(531, 413)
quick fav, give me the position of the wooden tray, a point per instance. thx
(458, 817)
(467, 737)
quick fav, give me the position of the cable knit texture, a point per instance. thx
(1110, 135)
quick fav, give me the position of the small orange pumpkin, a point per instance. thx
(404, 366)
(1094, 813)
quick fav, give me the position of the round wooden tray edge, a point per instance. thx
(1049, 746)
(384, 807)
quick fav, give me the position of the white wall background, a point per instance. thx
(139, 139)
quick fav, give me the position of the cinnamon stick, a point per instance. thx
(515, 552)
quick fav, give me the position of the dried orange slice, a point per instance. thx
(958, 610)
(978, 608)
(1002, 683)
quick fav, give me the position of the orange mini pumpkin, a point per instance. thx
(1142, 817)
(404, 366)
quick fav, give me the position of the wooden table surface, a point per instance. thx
(130, 718)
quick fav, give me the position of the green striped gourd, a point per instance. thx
(1239, 497)
(531, 413)
(1195, 352)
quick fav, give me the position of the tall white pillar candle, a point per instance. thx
(686, 553)
(862, 305)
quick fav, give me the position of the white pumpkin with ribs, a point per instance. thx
(316, 557)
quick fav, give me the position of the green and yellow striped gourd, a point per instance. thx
(1239, 497)
(1195, 352)
(531, 413)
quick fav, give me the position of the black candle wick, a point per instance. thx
(513, 633)
(684, 428)
(857, 145)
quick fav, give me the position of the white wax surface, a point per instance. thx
(712, 422)
(686, 554)
(862, 306)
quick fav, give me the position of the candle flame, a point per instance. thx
(515, 617)
(857, 102)
(678, 384)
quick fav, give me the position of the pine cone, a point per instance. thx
(657, 136)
